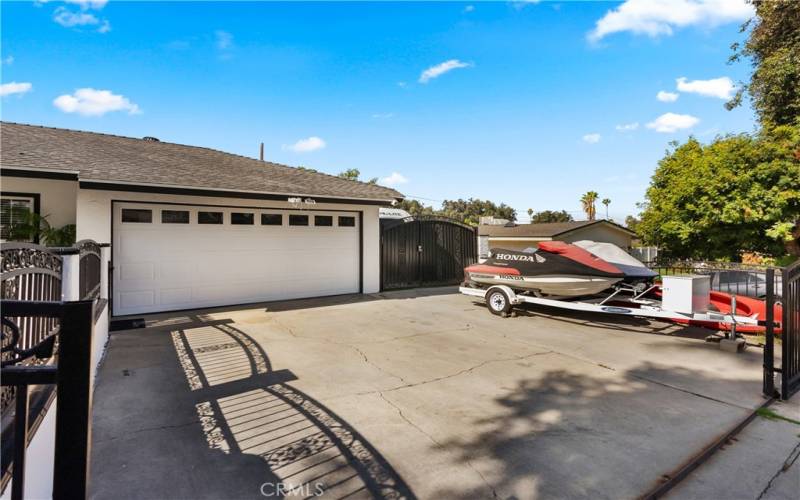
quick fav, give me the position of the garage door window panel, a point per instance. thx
(137, 215)
(271, 219)
(347, 221)
(323, 220)
(242, 219)
(298, 220)
(209, 218)
(174, 216)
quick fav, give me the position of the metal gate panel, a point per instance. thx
(790, 341)
(426, 252)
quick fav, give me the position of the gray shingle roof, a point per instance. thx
(543, 230)
(103, 157)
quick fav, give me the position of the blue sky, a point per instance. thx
(522, 102)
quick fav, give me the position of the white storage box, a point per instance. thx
(686, 293)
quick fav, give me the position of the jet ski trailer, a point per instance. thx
(500, 299)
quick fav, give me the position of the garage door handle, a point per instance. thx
(419, 248)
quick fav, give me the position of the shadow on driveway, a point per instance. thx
(230, 428)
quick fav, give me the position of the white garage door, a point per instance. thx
(171, 257)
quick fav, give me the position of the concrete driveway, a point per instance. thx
(407, 394)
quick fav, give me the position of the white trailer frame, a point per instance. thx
(645, 309)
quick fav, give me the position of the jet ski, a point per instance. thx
(555, 269)
(635, 272)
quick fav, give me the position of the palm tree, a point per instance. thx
(587, 201)
(530, 215)
(606, 202)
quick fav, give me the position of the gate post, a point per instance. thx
(769, 347)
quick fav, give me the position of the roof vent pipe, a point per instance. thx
(261, 152)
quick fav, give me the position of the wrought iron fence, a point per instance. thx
(30, 273)
(90, 271)
(71, 377)
(790, 337)
(733, 278)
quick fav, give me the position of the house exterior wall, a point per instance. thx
(94, 220)
(58, 198)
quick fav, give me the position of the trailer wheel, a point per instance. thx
(498, 302)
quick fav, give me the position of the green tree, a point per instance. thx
(587, 202)
(530, 214)
(773, 47)
(632, 223)
(414, 207)
(353, 174)
(551, 216)
(740, 193)
(606, 202)
(470, 211)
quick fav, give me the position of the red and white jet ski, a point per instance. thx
(554, 269)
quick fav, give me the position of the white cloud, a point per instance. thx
(8, 60)
(92, 102)
(469, 8)
(88, 4)
(665, 96)
(382, 115)
(660, 17)
(628, 127)
(69, 19)
(393, 180)
(722, 88)
(521, 4)
(591, 138)
(402, 85)
(672, 122)
(440, 69)
(15, 88)
(312, 143)
(224, 39)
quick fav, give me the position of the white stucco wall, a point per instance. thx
(58, 197)
(94, 220)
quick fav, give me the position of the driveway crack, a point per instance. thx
(788, 463)
(437, 443)
(148, 429)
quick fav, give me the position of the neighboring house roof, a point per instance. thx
(110, 158)
(545, 230)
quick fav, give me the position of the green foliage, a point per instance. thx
(28, 226)
(740, 193)
(632, 223)
(353, 174)
(551, 216)
(350, 174)
(587, 202)
(773, 47)
(467, 211)
(414, 207)
(470, 211)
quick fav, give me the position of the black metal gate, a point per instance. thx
(789, 296)
(425, 252)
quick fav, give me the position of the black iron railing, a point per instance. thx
(33, 273)
(90, 269)
(733, 278)
(71, 376)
